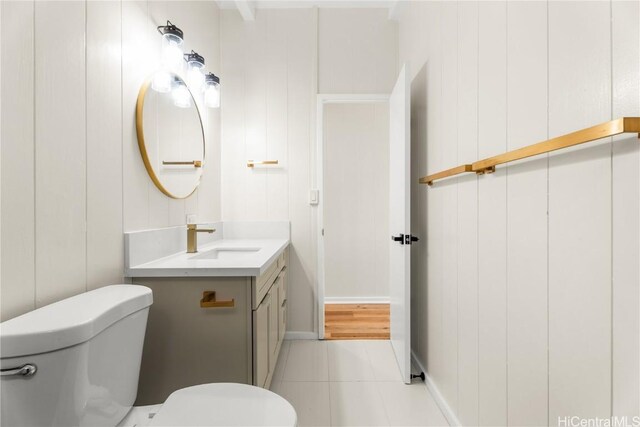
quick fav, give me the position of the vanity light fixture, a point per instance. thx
(173, 60)
(195, 72)
(172, 50)
(180, 94)
(212, 91)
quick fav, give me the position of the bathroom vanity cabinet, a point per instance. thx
(213, 329)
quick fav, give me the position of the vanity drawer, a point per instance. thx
(263, 283)
(282, 260)
(265, 280)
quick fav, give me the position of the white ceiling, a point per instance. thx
(288, 4)
(247, 8)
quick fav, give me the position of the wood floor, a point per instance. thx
(356, 321)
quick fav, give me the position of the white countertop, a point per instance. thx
(254, 263)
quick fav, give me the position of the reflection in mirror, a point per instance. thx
(170, 137)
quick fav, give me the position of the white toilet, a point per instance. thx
(76, 363)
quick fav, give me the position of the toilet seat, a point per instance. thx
(225, 404)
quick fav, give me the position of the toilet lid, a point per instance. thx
(225, 404)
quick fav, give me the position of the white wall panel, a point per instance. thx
(492, 214)
(467, 234)
(60, 151)
(626, 212)
(449, 122)
(135, 52)
(232, 40)
(579, 213)
(276, 74)
(156, 11)
(431, 345)
(356, 199)
(301, 95)
(72, 175)
(527, 215)
(525, 75)
(17, 136)
(255, 115)
(269, 91)
(105, 245)
(357, 51)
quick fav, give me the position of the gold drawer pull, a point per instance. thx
(209, 301)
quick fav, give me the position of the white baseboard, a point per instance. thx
(297, 335)
(437, 396)
(356, 300)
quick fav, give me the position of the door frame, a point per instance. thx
(322, 100)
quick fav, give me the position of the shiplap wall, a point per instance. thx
(530, 276)
(272, 68)
(356, 200)
(72, 176)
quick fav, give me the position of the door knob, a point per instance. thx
(409, 239)
(400, 238)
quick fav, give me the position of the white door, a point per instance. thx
(400, 222)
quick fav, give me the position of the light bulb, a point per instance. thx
(195, 75)
(212, 91)
(181, 96)
(162, 81)
(195, 78)
(172, 55)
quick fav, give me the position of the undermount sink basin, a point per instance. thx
(226, 253)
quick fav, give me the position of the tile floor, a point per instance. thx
(351, 383)
(341, 383)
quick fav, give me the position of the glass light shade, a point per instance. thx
(181, 96)
(162, 82)
(195, 75)
(172, 54)
(212, 95)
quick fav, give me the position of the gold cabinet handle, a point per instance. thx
(209, 301)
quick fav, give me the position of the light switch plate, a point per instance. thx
(192, 218)
(313, 197)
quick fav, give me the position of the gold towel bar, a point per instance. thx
(603, 130)
(194, 163)
(252, 163)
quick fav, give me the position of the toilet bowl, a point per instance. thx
(76, 363)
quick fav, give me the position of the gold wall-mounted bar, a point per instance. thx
(194, 163)
(444, 174)
(252, 163)
(488, 165)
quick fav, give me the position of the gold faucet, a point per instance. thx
(192, 237)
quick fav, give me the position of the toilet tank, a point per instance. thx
(86, 350)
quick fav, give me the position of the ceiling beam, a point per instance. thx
(394, 10)
(247, 9)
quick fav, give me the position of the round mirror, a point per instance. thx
(170, 135)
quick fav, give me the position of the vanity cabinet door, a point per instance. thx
(273, 325)
(282, 305)
(261, 341)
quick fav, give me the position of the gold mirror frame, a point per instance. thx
(143, 148)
